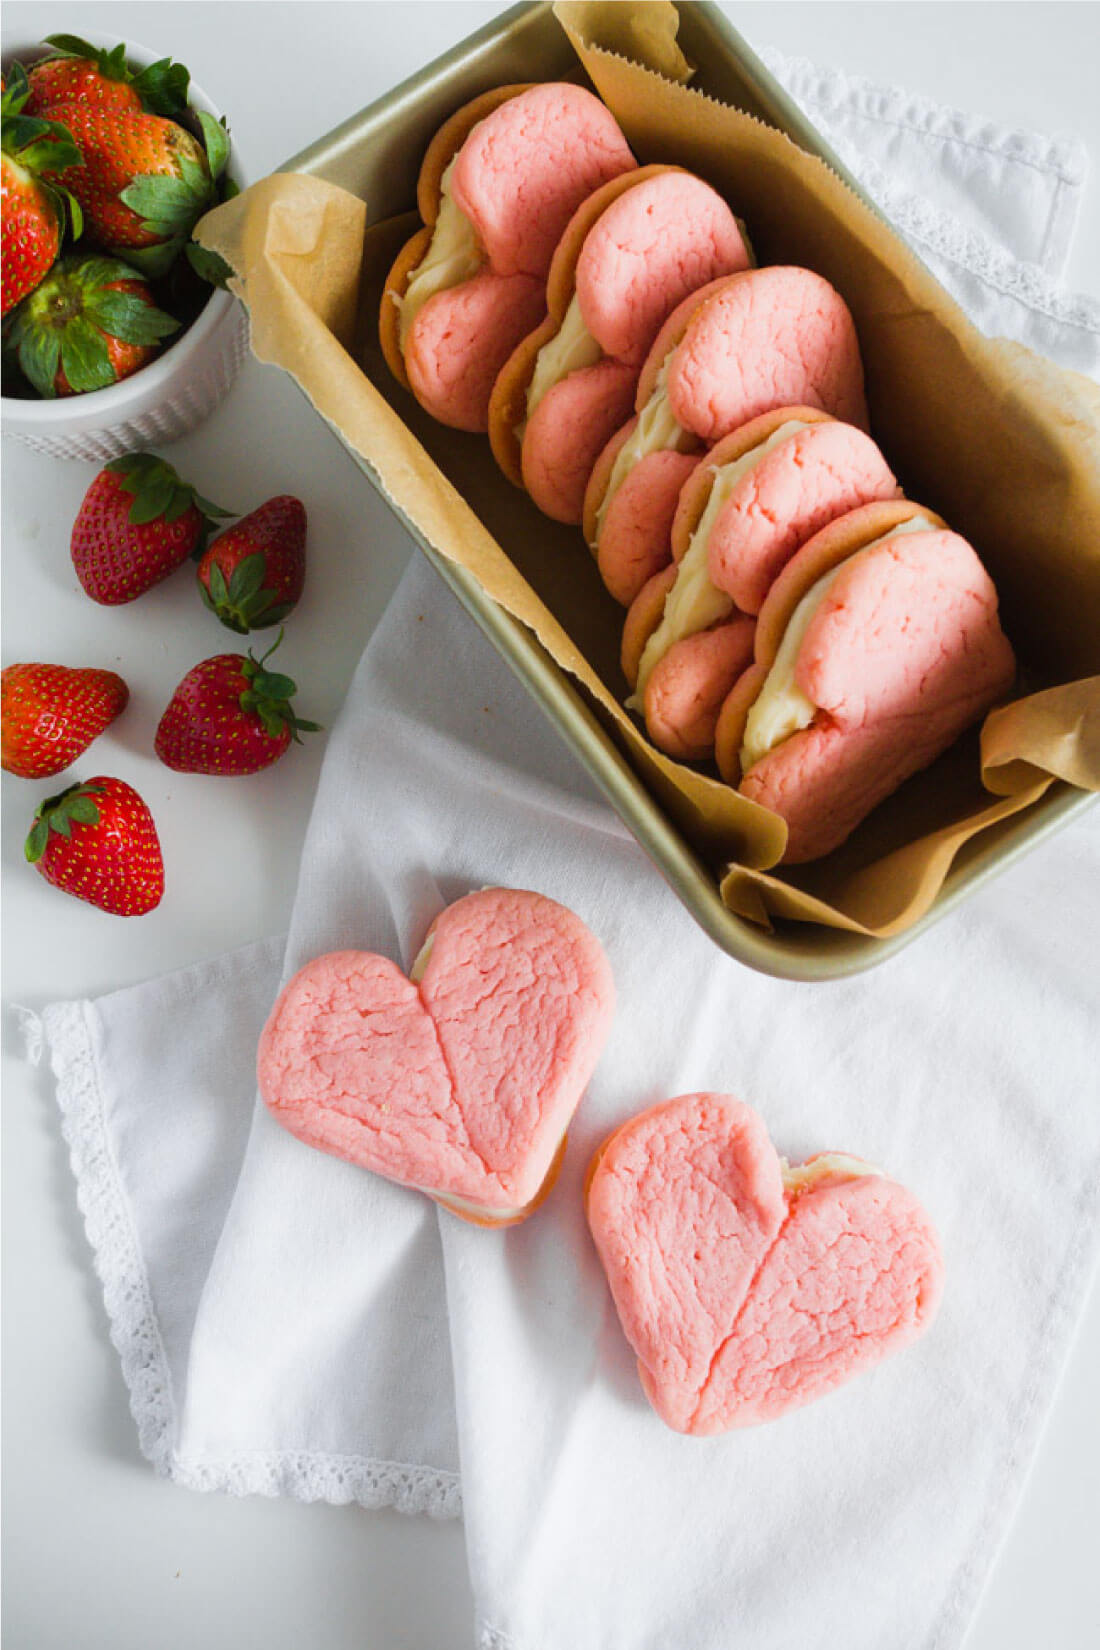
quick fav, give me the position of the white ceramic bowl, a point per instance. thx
(164, 400)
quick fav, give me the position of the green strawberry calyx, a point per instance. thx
(242, 602)
(169, 206)
(162, 86)
(268, 697)
(73, 806)
(68, 318)
(160, 493)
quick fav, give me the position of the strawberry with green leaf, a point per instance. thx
(252, 574)
(145, 180)
(36, 209)
(98, 842)
(230, 715)
(49, 715)
(137, 523)
(77, 72)
(89, 322)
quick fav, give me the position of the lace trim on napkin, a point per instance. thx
(924, 224)
(338, 1479)
(1065, 157)
(135, 1333)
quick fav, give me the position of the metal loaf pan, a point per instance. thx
(376, 155)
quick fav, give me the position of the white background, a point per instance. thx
(98, 1554)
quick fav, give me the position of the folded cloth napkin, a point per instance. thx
(290, 1325)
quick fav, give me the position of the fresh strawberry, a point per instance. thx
(51, 714)
(34, 210)
(77, 72)
(88, 76)
(252, 574)
(91, 322)
(138, 522)
(229, 716)
(98, 841)
(145, 180)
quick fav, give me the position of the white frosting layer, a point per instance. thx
(417, 971)
(454, 255)
(571, 348)
(694, 603)
(480, 1210)
(655, 432)
(829, 1166)
(781, 707)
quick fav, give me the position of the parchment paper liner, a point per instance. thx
(1002, 443)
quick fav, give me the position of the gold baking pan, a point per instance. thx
(376, 156)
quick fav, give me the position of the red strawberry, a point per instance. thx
(91, 322)
(98, 841)
(51, 714)
(77, 72)
(229, 716)
(145, 180)
(252, 574)
(85, 76)
(34, 211)
(138, 523)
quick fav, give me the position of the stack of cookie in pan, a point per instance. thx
(790, 617)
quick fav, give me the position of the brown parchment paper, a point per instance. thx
(1004, 445)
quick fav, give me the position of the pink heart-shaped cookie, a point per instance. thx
(460, 1081)
(747, 1288)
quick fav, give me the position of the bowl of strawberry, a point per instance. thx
(117, 329)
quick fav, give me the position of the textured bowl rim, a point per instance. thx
(113, 402)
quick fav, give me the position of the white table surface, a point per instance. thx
(99, 1554)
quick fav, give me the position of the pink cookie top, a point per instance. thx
(464, 1084)
(821, 472)
(854, 1275)
(670, 334)
(524, 170)
(743, 1295)
(774, 337)
(688, 685)
(909, 622)
(636, 539)
(904, 651)
(651, 248)
(462, 337)
(567, 432)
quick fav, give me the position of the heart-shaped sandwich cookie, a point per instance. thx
(497, 187)
(742, 513)
(629, 256)
(877, 645)
(461, 1080)
(748, 1288)
(740, 347)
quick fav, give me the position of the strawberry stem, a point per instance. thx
(159, 491)
(268, 696)
(59, 813)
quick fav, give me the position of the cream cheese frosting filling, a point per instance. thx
(781, 708)
(694, 603)
(571, 348)
(419, 967)
(655, 432)
(455, 254)
(829, 1166)
(481, 1210)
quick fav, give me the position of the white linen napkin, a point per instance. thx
(288, 1324)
